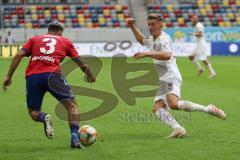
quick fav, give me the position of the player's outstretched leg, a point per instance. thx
(73, 120)
(46, 119)
(197, 64)
(166, 117)
(212, 72)
(210, 109)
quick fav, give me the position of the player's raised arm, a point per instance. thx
(15, 62)
(139, 36)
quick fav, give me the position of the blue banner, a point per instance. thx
(225, 49)
(212, 34)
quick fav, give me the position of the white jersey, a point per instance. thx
(199, 51)
(200, 28)
(167, 69)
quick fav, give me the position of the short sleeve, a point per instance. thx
(27, 47)
(71, 50)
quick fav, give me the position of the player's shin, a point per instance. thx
(167, 118)
(210, 68)
(197, 64)
(74, 127)
(190, 106)
(73, 115)
(74, 122)
(209, 109)
(73, 118)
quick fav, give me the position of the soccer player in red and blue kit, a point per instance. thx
(43, 75)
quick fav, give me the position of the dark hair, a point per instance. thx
(155, 17)
(54, 29)
(55, 26)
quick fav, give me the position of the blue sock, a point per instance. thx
(74, 133)
(74, 128)
(41, 117)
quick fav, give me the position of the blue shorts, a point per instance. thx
(38, 84)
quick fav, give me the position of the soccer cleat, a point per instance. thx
(177, 133)
(75, 143)
(212, 75)
(200, 71)
(49, 131)
(77, 146)
(213, 110)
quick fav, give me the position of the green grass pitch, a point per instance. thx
(124, 138)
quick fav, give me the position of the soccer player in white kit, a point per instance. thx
(168, 94)
(199, 52)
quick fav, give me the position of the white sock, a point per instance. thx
(210, 68)
(167, 118)
(190, 106)
(196, 62)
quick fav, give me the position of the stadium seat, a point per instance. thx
(37, 16)
(212, 12)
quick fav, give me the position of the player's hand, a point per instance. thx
(130, 22)
(139, 55)
(7, 82)
(90, 77)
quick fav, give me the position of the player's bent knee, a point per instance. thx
(173, 105)
(156, 107)
(158, 104)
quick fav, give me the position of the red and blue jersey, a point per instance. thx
(47, 51)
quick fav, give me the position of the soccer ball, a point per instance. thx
(87, 134)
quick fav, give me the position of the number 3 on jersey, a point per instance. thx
(51, 42)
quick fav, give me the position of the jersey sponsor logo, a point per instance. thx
(49, 48)
(42, 58)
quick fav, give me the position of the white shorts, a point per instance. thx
(199, 52)
(165, 89)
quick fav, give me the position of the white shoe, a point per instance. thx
(48, 129)
(213, 110)
(212, 75)
(177, 133)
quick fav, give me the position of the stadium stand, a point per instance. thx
(84, 2)
(73, 16)
(223, 13)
